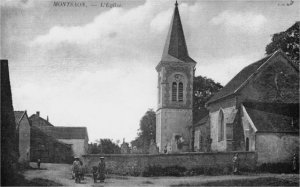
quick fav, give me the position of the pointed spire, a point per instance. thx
(175, 45)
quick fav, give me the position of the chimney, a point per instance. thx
(38, 113)
(47, 118)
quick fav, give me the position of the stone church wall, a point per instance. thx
(174, 122)
(214, 122)
(137, 164)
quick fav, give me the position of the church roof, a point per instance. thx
(202, 121)
(19, 115)
(60, 132)
(242, 78)
(175, 47)
(270, 117)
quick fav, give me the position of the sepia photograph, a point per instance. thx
(149, 92)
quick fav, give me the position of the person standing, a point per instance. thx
(101, 169)
(235, 161)
(294, 163)
(76, 167)
(38, 163)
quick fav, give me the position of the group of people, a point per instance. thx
(78, 170)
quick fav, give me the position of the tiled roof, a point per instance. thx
(66, 132)
(35, 132)
(175, 47)
(267, 118)
(287, 109)
(202, 121)
(19, 115)
(240, 79)
(34, 118)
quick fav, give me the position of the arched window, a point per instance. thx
(221, 126)
(174, 91)
(180, 91)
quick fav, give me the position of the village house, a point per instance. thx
(48, 149)
(258, 110)
(23, 135)
(77, 137)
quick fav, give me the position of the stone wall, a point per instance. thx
(276, 147)
(137, 164)
(172, 122)
(215, 118)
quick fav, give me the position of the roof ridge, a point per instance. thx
(242, 78)
(256, 71)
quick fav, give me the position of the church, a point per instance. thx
(258, 110)
(175, 91)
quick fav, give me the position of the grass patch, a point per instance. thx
(42, 182)
(265, 181)
(19, 180)
(277, 168)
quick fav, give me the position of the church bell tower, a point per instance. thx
(175, 91)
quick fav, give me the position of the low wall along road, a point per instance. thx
(136, 164)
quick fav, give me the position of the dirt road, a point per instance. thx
(60, 173)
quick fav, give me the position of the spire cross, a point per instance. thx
(176, 4)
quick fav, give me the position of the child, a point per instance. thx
(95, 174)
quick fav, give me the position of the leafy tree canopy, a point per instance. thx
(204, 89)
(104, 146)
(287, 41)
(146, 132)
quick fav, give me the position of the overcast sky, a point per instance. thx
(94, 66)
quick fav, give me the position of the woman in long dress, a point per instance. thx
(101, 169)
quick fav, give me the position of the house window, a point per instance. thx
(174, 91)
(221, 126)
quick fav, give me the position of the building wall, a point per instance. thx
(173, 122)
(174, 117)
(48, 149)
(129, 164)
(276, 147)
(79, 146)
(24, 140)
(248, 130)
(202, 138)
(218, 145)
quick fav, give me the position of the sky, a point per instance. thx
(93, 63)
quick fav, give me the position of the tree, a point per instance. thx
(204, 89)
(146, 132)
(104, 146)
(287, 41)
